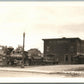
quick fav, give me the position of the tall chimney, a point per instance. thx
(23, 50)
(23, 41)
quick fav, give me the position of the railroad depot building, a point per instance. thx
(64, 50)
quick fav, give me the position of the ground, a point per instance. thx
(50, 73)
(47, 71)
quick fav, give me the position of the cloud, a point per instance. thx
(72, 30)
(39, 21)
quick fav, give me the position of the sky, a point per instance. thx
(39, 20)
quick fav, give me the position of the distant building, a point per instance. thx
(64, 50)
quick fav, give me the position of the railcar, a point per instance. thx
(35, 57)
(50, 59)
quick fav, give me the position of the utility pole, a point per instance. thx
(23, 41)
(23, 50)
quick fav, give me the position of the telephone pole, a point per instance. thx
(23, 41)
(23, 50)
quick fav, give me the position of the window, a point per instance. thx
(48, 48)
(66, 57)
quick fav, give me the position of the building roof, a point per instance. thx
(62, 38)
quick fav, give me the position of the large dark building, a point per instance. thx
(63, 50)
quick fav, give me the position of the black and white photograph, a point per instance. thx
(42, 40)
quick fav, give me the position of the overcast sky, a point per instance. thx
(39, 20)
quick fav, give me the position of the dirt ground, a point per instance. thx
(43, 71)
(50, 73)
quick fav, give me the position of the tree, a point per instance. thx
(34, 52)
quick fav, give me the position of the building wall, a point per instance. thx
(82, 46)
(63, 49)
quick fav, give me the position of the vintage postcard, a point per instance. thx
(41, 41)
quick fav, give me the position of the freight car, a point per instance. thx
(50, 59)
(35, 57)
